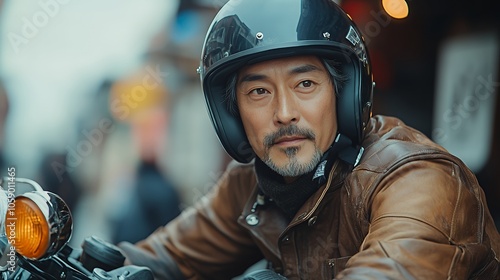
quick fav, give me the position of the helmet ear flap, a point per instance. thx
(349, 105)
(228, 126)
(354, 102)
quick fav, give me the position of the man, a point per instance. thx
(323, 190)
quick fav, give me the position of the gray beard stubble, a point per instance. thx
(293, 168)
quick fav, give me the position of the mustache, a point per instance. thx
(290, 130)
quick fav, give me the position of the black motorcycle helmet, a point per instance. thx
(245, 32)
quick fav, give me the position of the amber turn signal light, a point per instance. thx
(29, 230)
(38, 225)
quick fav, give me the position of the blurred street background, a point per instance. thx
(100, 101)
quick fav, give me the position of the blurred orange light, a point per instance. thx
(397, 9)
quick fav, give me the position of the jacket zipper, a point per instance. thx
(315, 206)
(331, 264)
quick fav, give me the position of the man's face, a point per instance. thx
(288, 111)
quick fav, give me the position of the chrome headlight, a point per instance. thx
(37, 223)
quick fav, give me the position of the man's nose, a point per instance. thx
(286, 108)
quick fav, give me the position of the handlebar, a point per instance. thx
(96, 260)
(264, 274)
(67, 264)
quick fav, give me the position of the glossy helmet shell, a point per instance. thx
(245, 32)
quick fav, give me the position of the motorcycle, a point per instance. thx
(35, 228)
(34, 243)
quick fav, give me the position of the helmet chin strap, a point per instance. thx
(342, 149)
(350, 154)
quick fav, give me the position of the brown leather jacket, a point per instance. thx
(408, 210)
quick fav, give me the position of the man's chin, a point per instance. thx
(292, 166)
(284, 155)
(292, 169)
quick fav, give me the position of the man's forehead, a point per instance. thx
(291, 65)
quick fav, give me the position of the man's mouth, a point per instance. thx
(289, 141)
(289, 136)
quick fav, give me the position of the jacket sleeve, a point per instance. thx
(427, 220)
(205, 241)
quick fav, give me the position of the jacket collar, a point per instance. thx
(268, 223)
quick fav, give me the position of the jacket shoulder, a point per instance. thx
(237, 169)
(240, 178)
(397, 150)
(389, 141)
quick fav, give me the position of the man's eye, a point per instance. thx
(306, 83)
(259, 91)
